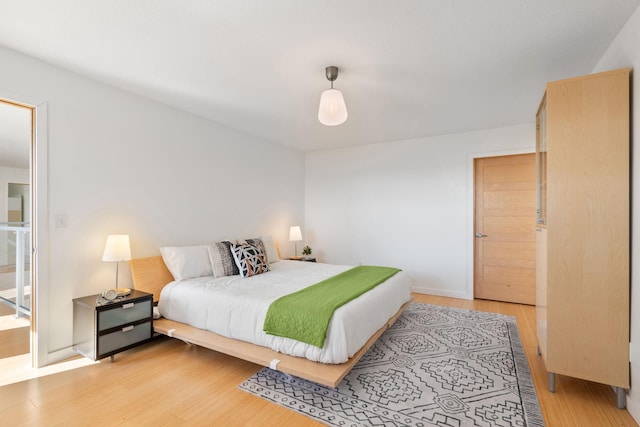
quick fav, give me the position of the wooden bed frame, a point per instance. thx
(151, 275)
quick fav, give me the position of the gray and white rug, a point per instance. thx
(436, 366)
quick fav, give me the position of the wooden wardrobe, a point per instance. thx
(582, 238)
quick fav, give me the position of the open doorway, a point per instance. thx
(16, 139)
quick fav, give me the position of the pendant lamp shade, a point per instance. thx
(332, 110)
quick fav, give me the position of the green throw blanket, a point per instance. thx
(305, 315)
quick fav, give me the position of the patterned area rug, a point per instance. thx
(436, 366)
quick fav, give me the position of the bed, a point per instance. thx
(226, 314)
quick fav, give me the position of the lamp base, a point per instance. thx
(123, 292)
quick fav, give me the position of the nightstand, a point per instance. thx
(303, 258)
(103, 328)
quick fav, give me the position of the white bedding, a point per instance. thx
(236, 307)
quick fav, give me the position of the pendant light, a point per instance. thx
(333, 110)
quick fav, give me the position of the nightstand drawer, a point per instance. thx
(127, 312)
(126, 336)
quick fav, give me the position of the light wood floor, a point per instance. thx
(14, 333)
(169, 383)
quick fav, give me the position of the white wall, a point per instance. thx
(406, 203)
(119, 163)
(625, 52)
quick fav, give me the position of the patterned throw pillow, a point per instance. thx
(250, 259)
(260, 244)
(222, 260)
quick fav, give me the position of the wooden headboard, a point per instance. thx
(150, 275)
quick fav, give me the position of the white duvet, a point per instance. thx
(236, 307)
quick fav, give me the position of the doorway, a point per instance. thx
(16, 274)
(504, 228)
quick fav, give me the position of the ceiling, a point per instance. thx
(408, 68)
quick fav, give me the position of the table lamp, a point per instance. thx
(117, 249)
(295, 235)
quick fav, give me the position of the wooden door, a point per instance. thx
(505, 224)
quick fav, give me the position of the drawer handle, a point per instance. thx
(129, 305)
(128, 328)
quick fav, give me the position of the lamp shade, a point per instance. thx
(295, 235)
(117, 248)
(332, 110)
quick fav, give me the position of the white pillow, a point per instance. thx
(270, 248)
(185, 262)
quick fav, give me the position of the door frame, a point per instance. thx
(39, 335)
(471, 185)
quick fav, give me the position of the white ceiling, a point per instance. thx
(408, 68)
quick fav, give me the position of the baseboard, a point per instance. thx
(60, 355)
(441, 293)
(633, 407)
